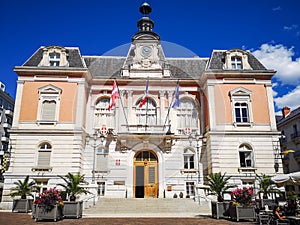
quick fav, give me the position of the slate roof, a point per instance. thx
(217, 61)
(294, 113)
(73, 56)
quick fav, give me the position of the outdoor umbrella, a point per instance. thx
(287, 179)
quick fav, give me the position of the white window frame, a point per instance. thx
(190, 188)
(187, 116)
(44, 148)
(236, 63)
(242, 96)
(187, 155)
(49, 93)
(149, 109)
(54, 59)
(102, 116)
(248, 156)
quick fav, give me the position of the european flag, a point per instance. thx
(177, 101)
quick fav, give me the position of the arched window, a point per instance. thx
(147, 114)
(103, 116)
(48, 110)
(44, 155)
(246, 156)
(189, 159)
(187, 115)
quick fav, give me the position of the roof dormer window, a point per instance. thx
(54, 56)
(237, 59)
(54, 59)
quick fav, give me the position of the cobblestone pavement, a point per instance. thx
(8, 218)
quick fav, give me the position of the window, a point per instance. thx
(44, 155)
(102, 162)
(237, 59)
(48, 110)
(101, 188)
(241, 107)
(102, 116)
(236, 63)
(54, 56)
(54, 59)
(245, 154)
(147, 114)
(188, 158)
(241, 112)
(187, 115)
(190, 188)
(49, 103)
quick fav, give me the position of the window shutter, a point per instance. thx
(44, 158)
(49, 108)
(102, 162)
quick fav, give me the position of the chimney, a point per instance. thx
(285, 111)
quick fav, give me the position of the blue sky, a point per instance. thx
(270, 29)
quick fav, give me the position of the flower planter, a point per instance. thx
(22, 205)
(41, 213)
(242, 212)
(220, 209)
(73, 209)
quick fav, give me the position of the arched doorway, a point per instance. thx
(145, 174)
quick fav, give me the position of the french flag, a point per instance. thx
(145, 97)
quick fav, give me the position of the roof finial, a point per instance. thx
(145, 8)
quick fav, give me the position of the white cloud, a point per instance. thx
(292, 27)
(276, 8)
(280, 58)
(291, 99)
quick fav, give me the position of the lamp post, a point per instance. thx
(278, 153)
(197, 138)
(94, 145)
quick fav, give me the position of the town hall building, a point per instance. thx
(142, 125)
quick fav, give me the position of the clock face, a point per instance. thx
(146, 51)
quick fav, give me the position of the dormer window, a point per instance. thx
(236, 63)
(237, 59)
(54, 56)
(54, 59)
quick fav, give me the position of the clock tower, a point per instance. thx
(145, 57)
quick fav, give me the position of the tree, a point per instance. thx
(72, 185)
(266, 186)
(24, 188)
(218, 184)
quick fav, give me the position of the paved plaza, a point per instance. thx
(8, 218)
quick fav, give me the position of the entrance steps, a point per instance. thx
(147, 207)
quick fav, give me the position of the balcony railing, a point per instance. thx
(9, 112)
(6, 125)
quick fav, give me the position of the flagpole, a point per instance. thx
(122, 105)
(147, 105)
(167, 116)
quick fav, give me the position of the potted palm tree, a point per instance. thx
(73, 188)
(266, 188)
(218, 185)
(23, 189)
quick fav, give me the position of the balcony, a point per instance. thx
(296, 137)
(9, 113)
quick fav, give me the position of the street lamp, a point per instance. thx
(197, 138)
(278, 153)
(94, 146)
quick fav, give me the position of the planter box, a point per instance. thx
(72, 209)
(242, 212)
(22, 205)
(220, 209)
(56, 213)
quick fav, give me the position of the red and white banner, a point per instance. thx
(114, 95)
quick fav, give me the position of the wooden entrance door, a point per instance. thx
(145, 175)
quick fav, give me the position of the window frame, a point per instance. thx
(102, 116)
(246, 149)
(189, 164)
(44, 147)
(150, 112)
(241, 96)
(48, 93)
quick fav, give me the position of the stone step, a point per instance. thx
(117, 207)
